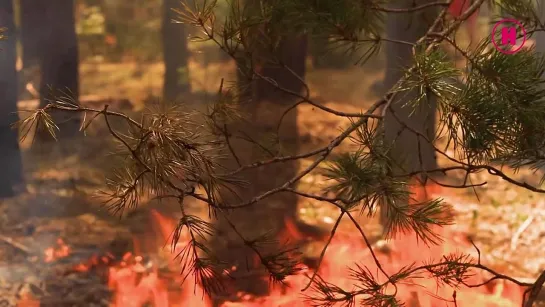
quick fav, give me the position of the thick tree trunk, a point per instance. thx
(268, 104)
(60, 63)
(175, 54)
(32, 25)
(265, 105)
(10, 162)
(409, 152)
(292, 53)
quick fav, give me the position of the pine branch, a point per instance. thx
(169, 154)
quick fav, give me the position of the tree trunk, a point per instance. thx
(32, 25)
(265, 105)
(10, 163)
(175, 54)
(539, 37)
(292, 53)
(409, 152)
(60, 63)
(270, 104)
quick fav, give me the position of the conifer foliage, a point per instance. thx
(493, 114)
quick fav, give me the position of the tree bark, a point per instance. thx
(291, 53)
(60, 63)
(268, 104)
(264, 106)
(10, 162)
(175, 54)
(32, 25)
(409, 152)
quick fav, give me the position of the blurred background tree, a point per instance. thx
(127, 29)
(11, 164)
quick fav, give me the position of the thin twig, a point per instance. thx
(15, 244)
(520, 230)
(324, 249)
(414, 8)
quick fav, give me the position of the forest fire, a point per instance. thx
(136, 281)
(133, 286)
(60, 250)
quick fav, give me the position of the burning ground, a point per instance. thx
(100, 263)
(60, 249)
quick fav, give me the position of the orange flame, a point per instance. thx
(28, 301)
(136, 283)
(134, 287)
(53, 253)
(346, 250)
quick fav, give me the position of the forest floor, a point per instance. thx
(507, 223)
